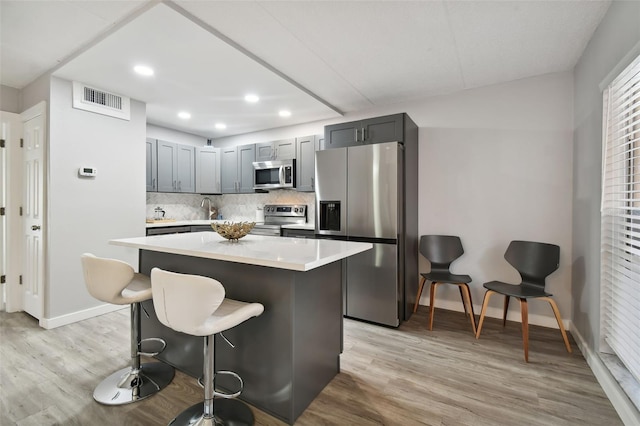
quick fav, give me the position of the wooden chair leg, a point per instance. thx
(420, 286)
(506, 308)
(556, 312)
(466, 299)
(485, 303)
(432, 299)
(524, 309)
(462, 297)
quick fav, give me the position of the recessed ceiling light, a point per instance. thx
(221, 126)
(284, 113)
(184, 115)
(143, 70)
(252, 98)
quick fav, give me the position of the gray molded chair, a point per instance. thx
(197, 306)
(114, 281)
(535, 262)
(441, 251)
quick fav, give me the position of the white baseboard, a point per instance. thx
(54, 322)
(512, 315)
(623, 406)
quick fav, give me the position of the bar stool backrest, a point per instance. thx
(185, 302)
(106, 278)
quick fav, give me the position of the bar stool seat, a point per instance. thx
(114, 281)
(197, 306)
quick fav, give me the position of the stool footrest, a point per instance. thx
(152, 339)
(222, 394)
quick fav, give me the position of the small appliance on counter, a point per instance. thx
(276, 215)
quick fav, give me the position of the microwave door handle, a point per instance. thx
(281, 175)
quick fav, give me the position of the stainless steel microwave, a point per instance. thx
(274, 174)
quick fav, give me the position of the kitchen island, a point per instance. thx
(291, 352)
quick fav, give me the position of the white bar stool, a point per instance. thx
(115, 281)
(196, 305)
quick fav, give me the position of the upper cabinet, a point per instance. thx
(306, 148)
(175, 167)
(208, 170)
(152, 165)
(284, 149)
(237, 169)
(389, 128)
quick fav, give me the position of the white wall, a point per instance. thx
(495, 165)
(85, 213)
(617, 34)
(9, 99)
(157, 132)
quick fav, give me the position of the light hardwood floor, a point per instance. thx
(404, 376)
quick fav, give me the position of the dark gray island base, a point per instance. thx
(287, 355)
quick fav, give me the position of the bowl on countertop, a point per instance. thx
(233, 231)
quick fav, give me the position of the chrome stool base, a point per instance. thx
(124, 386)
(227, 412)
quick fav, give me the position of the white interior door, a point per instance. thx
(11, 200)
(3, 217)
(33, 215)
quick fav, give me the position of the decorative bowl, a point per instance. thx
(233, 231)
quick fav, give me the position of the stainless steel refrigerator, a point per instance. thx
(360, 197)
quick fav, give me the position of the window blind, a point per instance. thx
(620, 237)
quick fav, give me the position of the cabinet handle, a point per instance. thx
(313, 183)
(356, 130)
(153, 183)
(364, 137)
(174, 184)
(179, 185)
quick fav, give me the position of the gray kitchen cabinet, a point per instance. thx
(167, 166)
(284, 149)
(389, 128)
(306, 162)
(208, 170)
(298, 233)
(236, 169)
(186, 162)
(165, 230)
(175, 167)
(152, 165)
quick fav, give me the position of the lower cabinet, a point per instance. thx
(298, 233)
(168, 230)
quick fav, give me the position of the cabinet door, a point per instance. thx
(208, 170)
(306, 163)
(265, 151)
(383, 129)
(285, 149)
(229, 170)
(167, 166)
(342, 135)
(186, 161)
(152, 165)
(246, 175)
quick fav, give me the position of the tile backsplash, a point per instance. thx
(237, 207)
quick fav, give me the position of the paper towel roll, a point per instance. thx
(259, 215)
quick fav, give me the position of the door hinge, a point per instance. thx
(21, 143)
(2, 143)
(3, 279)
(2, 211)
(20, 281)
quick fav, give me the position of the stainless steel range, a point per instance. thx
(276, 215)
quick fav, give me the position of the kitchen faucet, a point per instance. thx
(208, 215)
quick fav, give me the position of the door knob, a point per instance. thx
(35, 227)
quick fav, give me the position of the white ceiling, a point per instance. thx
(316, 58)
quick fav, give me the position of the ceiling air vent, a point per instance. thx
(99, 101)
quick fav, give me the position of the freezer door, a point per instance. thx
(331, 192)
(372, 191)
(372, 290)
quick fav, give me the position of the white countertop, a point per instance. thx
(296, 254)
